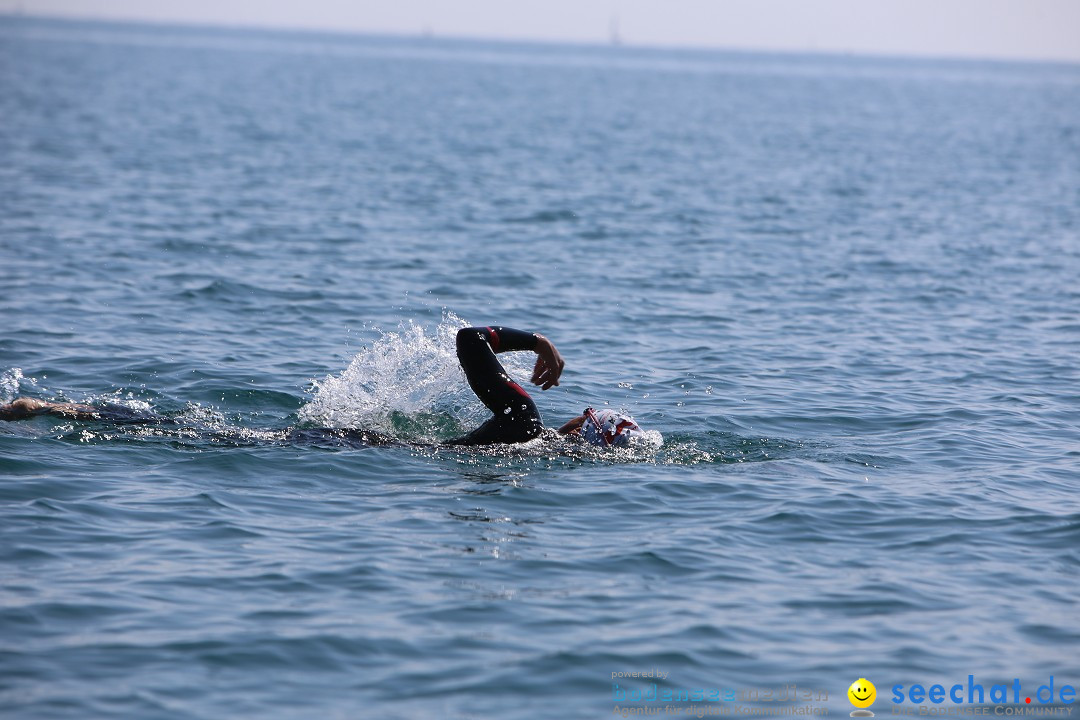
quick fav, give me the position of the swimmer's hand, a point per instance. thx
(549, 364)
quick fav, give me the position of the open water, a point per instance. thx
(844, 290)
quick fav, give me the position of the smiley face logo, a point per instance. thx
(862, 693)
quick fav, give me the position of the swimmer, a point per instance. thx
(515, 418)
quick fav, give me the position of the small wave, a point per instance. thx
(237, 291)
(545, 216)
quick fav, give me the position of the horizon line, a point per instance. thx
(428, 34)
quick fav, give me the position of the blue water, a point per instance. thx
(844, 290)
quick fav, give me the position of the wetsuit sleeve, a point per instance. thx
(515, 417)
(504, 339)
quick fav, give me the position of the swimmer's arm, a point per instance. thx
(572, 426)
(549, 363)
(75, 411)
(23, 408)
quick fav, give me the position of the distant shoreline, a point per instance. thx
(427, 34)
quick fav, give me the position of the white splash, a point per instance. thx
(9, 385)
(407, 384)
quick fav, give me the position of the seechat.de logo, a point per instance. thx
(974, 693)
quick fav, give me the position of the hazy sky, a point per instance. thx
(1047, 29)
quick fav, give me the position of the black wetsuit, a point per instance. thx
(516, 417)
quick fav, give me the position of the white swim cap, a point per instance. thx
(607, 428)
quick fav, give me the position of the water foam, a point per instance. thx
(120, 398)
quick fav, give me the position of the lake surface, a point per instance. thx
(844, 290)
